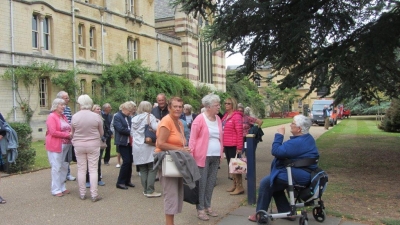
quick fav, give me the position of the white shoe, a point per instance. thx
(71, 178)
(118, 166)
(139, 174)
(153, 195)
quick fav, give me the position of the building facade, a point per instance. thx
(87, 34)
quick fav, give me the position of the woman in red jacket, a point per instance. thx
(232, 125)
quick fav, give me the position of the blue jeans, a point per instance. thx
(277, 191)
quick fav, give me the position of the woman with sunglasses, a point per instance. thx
(232, 126)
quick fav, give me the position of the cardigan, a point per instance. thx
(54, 135)
(199, 138)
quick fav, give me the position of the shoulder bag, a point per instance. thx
(149, 133)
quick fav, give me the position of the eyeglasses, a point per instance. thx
(228, 103)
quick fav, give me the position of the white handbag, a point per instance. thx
(169, 168)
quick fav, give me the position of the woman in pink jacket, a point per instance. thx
(206, 147)
(232, 125)
(58, 144)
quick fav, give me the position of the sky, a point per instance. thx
(234, 60)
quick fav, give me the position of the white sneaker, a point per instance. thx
(139, 174)
(118, 166)
(71, 178)
(153, 195)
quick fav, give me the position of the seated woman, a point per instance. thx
(301, 145)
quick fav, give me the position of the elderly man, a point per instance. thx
(326, 114)
(67, 112)
(107, 117)
(162, 109)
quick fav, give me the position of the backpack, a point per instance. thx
(319, 182)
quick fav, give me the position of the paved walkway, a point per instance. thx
(29, 200)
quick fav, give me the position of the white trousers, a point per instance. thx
(59, 169)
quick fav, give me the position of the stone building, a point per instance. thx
(88, 34)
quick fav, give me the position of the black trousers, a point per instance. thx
(125, 171)
(107, 150)
(230, 152)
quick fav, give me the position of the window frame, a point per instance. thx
(44, 92)
(81, 35)
(35, 33)
(46, 35)
(92, 37)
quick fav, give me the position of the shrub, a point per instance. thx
(26, 154)
(391, 121)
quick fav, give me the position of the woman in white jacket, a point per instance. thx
(142, 152)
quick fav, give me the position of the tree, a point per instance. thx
(279, 100)
(348, 44)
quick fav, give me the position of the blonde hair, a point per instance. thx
(95, 106)
(129, 105)
(234, 103)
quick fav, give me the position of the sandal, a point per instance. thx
(210, 212)
(201, 214)
(66, 192)
(2, 200)
(59, 194)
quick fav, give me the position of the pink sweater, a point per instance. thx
(87, 128)
(54, 135)
(199, 136)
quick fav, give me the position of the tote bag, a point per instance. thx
(149, 133)
(238, 165)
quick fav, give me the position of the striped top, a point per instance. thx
(67, 113)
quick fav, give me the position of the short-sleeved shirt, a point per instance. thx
(247, 122)
(176, 137)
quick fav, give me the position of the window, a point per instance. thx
(94, 87)
(132, 49)
(82, 86)
(81, 35)
(46, 33)
(35, 36)
(130, 6)
(43, 93)
(205, 62)
(170, 55)
(91, 37)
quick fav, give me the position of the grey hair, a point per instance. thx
(56, 102)
(85, 102)
(106, 105)
(210, 99)
(247, 111)
(303, 122)
(144, 106)
(188, 107)
(240, 105)
(61, 94)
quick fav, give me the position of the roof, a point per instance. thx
(162, 9)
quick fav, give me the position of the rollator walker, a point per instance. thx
(301, 196)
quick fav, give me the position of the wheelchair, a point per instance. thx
(300, 196)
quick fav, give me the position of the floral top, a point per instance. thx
(65, 127)
(248, 122)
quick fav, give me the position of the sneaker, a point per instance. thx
(87, 185)
(144, 194)
(153, 195)
(101, 176)
(96, 199)
(106, 163)
(118, 166)
(71, 178)
(101, 183)
(139, 174)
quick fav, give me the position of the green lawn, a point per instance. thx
(41, 160)
(270, 122)
(362, 163)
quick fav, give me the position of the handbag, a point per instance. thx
(149, 133)
(191, 195)
(169, 168)
(238, 165)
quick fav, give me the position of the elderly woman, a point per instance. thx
(206, 145)
(142, 152)
(58, 144)
(122, 127)
(301, 145)
(188, 115)
(87, 129)
(170, 136)
(248, 121)
(97, 109)
(232, 124)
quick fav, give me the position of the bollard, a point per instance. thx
(250, 146)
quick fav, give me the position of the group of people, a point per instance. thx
(198, 141)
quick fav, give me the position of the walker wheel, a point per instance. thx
(303, 220)
(319, 214)
(262, 218)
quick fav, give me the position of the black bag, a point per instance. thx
(191, 195)
(149, 133)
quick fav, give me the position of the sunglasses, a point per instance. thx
(228, 103)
